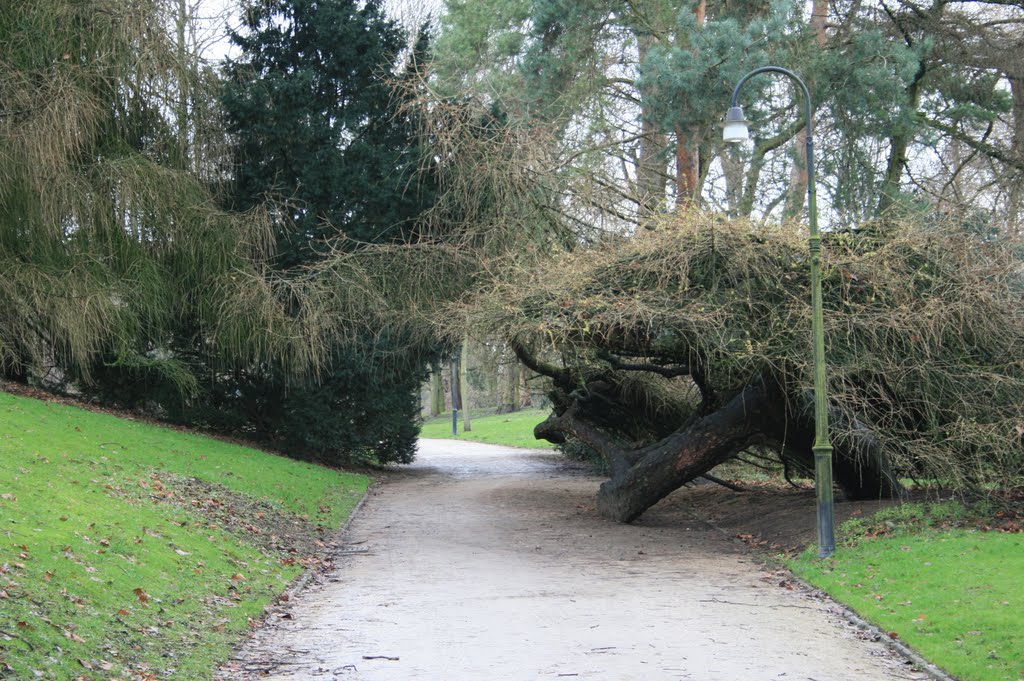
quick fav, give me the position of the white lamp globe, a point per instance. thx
(735, 129)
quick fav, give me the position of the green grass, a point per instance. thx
(928, 574)
(514, 429)
(101, 577)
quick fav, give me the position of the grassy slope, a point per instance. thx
(956, 594)
(514, 429)
(100, 577)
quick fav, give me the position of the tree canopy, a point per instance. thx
(675, 350)
(313, 107)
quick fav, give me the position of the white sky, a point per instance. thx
(216, 15)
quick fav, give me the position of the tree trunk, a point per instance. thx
(453, 372)
(642, 477)
(1015, 201)
(686, 455)
(525, 398)
(436, 392)
(687, 169)
(464, 385)
(688, 147)
(510, 389)
(798, 175)
(900, 140)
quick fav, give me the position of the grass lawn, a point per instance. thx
(514, 429)
(950, 589)
(118, 556)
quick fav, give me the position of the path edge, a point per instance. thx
(894, 645)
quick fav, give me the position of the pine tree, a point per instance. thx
(312, 105)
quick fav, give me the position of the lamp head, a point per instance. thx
(735, 129)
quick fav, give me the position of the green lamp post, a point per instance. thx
(736, 131)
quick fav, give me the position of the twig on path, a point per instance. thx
(380, 657)
(762, 605)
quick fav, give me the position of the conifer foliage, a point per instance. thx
(319, 134)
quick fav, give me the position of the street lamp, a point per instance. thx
(736, 131)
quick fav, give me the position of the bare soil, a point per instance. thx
(484, 562)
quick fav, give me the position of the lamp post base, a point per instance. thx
(823, 492)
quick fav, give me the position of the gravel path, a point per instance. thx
(488, 563)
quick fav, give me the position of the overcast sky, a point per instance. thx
(216, 15)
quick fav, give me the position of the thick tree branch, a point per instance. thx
(985, 148)
(664, 371)
(687, 454)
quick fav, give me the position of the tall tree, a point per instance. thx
(312, 106)
(633, 94)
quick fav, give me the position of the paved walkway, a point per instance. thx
(487, 563)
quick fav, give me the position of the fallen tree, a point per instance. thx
(675, 350)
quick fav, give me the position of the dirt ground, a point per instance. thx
(489, 563)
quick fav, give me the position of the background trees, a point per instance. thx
(150, 269)
(634, 94)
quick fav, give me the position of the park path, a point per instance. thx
(487, 563)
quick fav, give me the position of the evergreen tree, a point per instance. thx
(312, 105)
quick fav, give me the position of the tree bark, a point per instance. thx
(686, 455)
(453, 372)
(1015, 200)
(688, 147)
(436, 392)
(798, 174)
(860, 467)
(464, 386)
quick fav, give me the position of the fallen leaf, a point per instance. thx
(143, 596)
(8, 497)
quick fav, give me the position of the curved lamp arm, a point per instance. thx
(812, 207)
